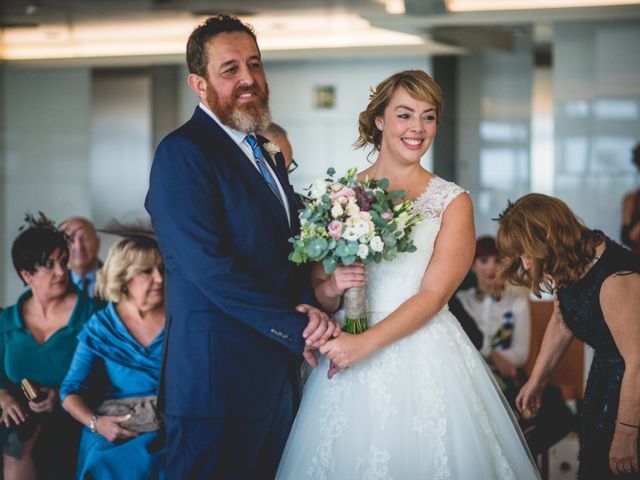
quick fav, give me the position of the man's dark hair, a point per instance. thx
(34, 245)
(212, 26)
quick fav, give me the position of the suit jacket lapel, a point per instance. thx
(248, 170)
(283, 178)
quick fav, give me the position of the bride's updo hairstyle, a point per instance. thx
(543, 228)
(416, 83)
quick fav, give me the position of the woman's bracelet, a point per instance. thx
(92, 423)
(637, 427)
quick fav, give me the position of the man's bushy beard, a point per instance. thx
(248, 118)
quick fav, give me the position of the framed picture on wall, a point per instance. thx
(324, 96)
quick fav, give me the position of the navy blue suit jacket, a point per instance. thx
(232, 335)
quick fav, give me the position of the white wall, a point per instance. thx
(120, 150)
(46, 147)
(597, 118)
(494, 115)
(324, 138)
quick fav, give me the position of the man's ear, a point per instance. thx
(198, 84)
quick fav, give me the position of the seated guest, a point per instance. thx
(83, 249)
(505, 325)
(112, 383)
(37, 341)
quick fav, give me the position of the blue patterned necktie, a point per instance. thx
(262, 167)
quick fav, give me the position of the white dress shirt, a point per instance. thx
(491, 314)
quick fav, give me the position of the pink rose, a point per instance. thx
(335, 229)
(387, 215)
(346, 192)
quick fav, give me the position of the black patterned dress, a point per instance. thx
(580, 307)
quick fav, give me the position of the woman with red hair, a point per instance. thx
(597, 286)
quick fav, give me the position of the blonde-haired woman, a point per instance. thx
(410, 397)
(597, 284)
(112, 384)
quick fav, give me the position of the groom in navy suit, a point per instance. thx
(223, 209)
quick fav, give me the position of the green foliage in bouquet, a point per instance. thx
(352, 220)
(349, 219)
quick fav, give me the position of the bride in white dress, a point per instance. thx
(409, 398)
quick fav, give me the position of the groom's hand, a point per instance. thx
(320, 327)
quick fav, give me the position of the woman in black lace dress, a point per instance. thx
(597, 287)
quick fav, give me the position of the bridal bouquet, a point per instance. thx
(352, 220)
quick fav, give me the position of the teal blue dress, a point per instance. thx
(109, 356)
(21, 356)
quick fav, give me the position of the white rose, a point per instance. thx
(271, 148)
(318, 189)
(376, 244)
(350, 234)
(363, 251)
(353, 210)
(362, 227)
(336, 210)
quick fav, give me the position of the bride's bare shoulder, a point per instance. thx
(366, 173)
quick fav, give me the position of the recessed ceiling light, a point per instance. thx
(484, 5)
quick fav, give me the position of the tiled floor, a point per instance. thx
(563, 458)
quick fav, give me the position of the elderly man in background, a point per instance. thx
(278, 136)
(84, 245)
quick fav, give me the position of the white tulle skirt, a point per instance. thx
(426, 407)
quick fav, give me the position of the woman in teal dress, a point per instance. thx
(112, 384)
(37, 341)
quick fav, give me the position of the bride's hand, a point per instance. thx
(332, 370)
(345, 277)
(345, 351)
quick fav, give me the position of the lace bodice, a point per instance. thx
(390, 283)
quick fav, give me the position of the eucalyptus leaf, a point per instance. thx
(317, 248)
(349, 260)
(389, 240)
(352, 248)
(341, 249)
(329, 264)
(390, 254)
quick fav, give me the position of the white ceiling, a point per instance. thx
(154, 31)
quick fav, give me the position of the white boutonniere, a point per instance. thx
(271, 148)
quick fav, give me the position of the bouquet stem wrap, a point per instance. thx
(355, 310)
